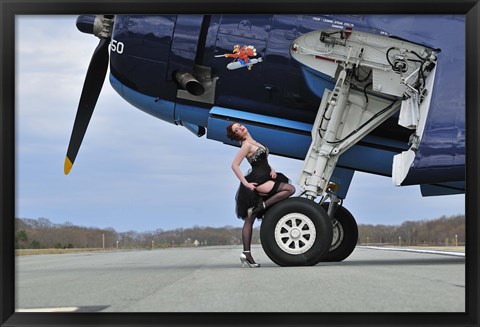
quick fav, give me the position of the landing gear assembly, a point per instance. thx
(376, 76)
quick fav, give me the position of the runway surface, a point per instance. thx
(211, 279)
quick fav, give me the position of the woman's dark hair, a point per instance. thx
(231, 135)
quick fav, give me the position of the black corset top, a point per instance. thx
(259, 156)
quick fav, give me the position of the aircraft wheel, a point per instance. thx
(345, 235)
(296, 232)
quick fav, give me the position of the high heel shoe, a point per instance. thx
(256, 209)
(243, 260)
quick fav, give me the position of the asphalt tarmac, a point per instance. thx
(211, 279)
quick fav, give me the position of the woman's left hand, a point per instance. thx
(273, 174)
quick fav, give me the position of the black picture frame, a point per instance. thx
(10, 8)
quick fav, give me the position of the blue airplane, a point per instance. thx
(381, 94)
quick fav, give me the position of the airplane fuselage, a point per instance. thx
(147, 51)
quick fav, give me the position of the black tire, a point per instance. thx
(345, 235)
(309, 238)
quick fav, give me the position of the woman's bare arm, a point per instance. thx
(242, 153)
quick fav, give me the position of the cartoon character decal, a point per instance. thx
(242, 57)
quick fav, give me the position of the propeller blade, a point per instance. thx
(91, 90)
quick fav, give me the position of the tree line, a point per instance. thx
(41, 233)
(446, 231)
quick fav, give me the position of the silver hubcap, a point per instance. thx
(295, 233)
(338, 235)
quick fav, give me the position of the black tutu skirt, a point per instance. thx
(245, 198)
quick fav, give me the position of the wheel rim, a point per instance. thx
(295, 233)
(338, 234)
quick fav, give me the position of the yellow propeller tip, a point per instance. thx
(68, 166)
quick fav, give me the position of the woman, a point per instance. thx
(259, 189)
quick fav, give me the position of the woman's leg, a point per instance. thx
(247, 232)
(284, 191)
(265, 188)
(247, 237)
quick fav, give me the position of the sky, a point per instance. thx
(135, 172)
